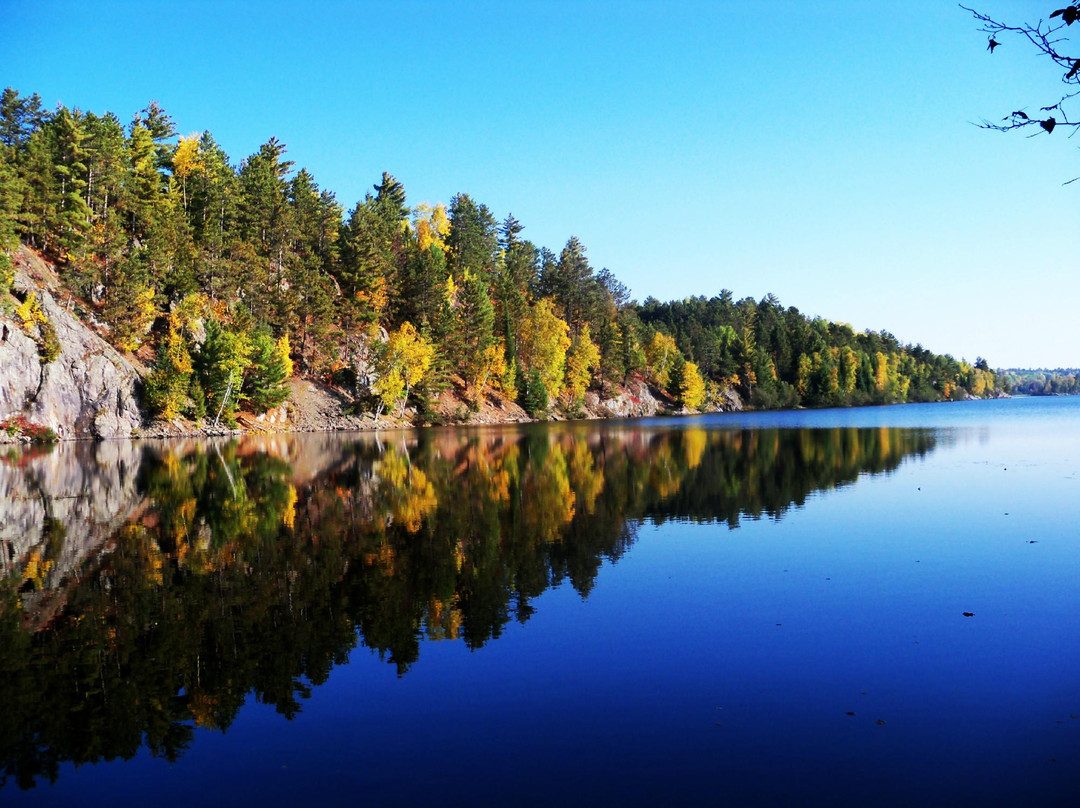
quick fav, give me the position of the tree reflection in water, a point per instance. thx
(252, 566)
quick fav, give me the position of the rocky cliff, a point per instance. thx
(90, 390)
(87, 391)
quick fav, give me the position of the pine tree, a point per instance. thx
(220, 365)
(268, 370)
(476, 319)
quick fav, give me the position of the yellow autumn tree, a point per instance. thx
(660, 355)
(402, 363)
(490, 369)
(881, 371)
(692, 389)
(583, 359)
(432, 225)
(186, 162)
(542, 345)
(167, 385)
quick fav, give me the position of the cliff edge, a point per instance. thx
(89, 390)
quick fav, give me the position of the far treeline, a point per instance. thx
(227, 278)
(1041, 382)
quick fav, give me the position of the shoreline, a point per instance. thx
(279, 423)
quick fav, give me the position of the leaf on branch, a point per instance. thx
(993, 43)
(1074, 71)
(1069, 14)
(1048, 125)
(1018, 114)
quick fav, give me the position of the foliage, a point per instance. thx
(542, 342)
(19, 426)
(581, 362)
(7, 274)
(170, 380)
(660, 356)
(220, 364)
(37, 325)
(267, 372)
(692, 387)
(1042, 382)
(534, 396)
(403, 363)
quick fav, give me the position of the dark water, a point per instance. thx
(731, 610)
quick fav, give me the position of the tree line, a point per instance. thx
(227, 278)
(1042, 382)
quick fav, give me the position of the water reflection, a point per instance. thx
(149, 588)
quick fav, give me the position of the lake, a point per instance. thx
(874, 606)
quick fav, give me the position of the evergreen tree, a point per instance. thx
(267, 372)
(473, 239)
(476, 319)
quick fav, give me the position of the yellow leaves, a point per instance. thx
(492, 365)
(186, 158)
(450, 292)
(375, 299)
(584, 357)
(588, 480)
(284, 351)
(443, 620)
(204, 708)
(802, 375)
(137, 319)
(192, 309)
(29, 312)
(660, 354)
(432, 226)
(692, 389)
(833, 380)
(542, 344)
(881, 370)
(547, 498)
(36, 568)
(849, 366)
(402, 363)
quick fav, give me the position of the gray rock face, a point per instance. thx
(88, 391)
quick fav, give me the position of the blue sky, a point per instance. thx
(822, 151)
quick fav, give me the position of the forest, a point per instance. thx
(1041, 381)
(226, 279)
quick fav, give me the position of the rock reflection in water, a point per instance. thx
(149, 588)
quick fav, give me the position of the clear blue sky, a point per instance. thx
(821, 151)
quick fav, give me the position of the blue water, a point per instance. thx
(718, 666)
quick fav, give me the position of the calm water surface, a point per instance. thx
(849, 607)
